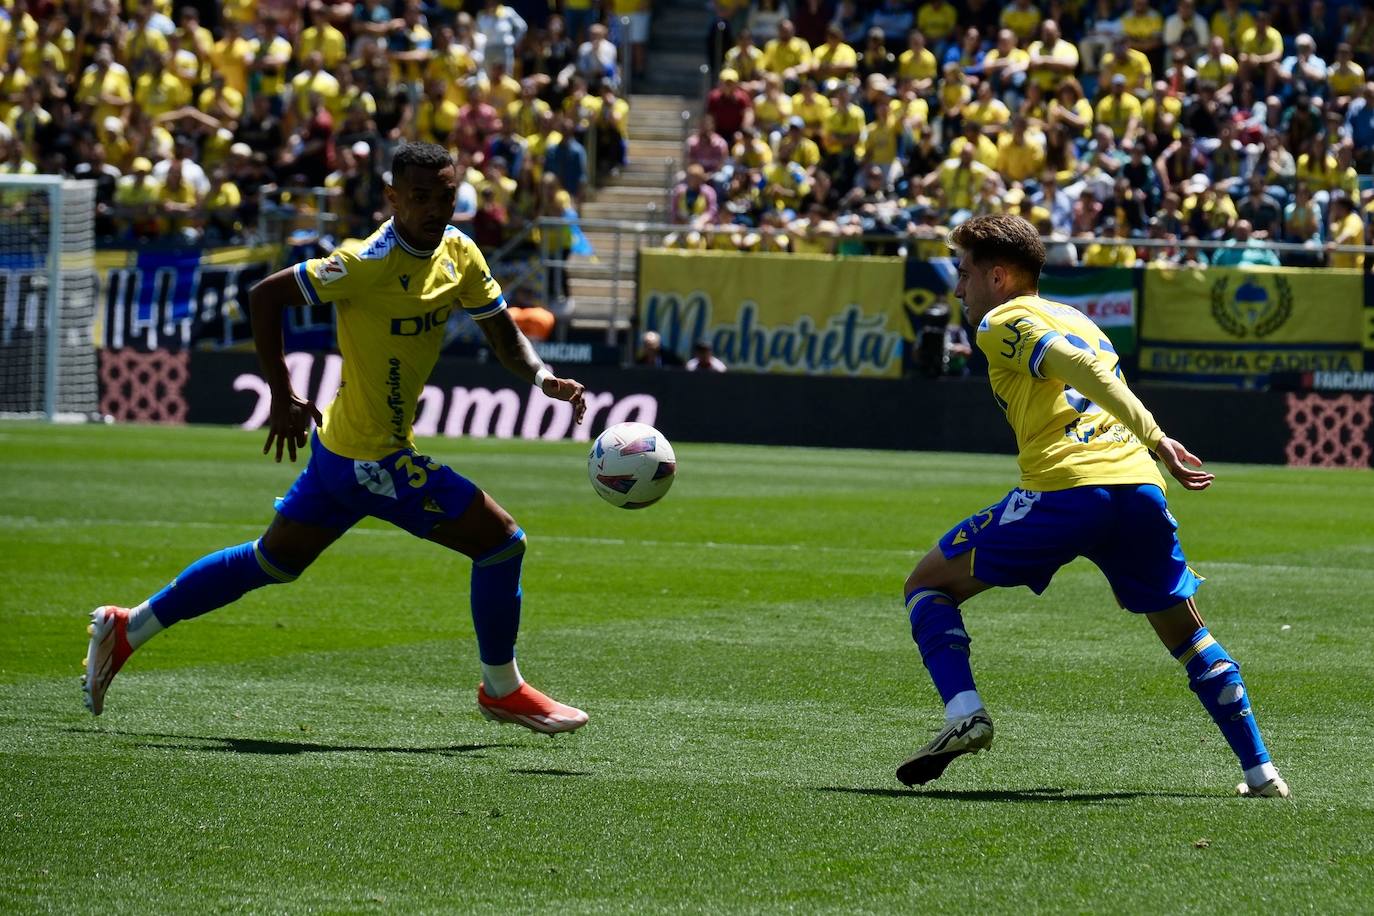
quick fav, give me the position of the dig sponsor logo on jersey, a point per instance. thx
(415, 325)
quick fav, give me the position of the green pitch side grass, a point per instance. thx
(746, 661)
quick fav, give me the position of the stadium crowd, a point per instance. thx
(200, 122)
(871, 124)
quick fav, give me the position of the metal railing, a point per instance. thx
(618, 263)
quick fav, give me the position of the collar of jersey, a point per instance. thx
(408, 248)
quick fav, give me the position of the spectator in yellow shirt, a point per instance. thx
(105, 85)
(773, 107)
(883, 138)
(1344, 78)
(1346, 229)
(1119, 253)
(232, 55)
(180, 205)
(1052, 58)
(1230, 23)
(787, 55)
(984, 147)
(842, 133)
(160, 91)
(812, 107)
(1022, 18)
(834, 59)
(1261, 51)
(986, 110)
(1143, 27)
(1119, 111)
(313, 84)
(796, 147)
(937, 20)
(321, 36)
(1005, 66)
(957, 178)
(1020, 153)
(1071, 110)
(1217, 67)
(916, 65)
(1123, 60)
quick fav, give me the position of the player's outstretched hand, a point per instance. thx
(289, 424)
(566, 389)
(1183, 464)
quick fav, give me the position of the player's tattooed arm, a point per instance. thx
(288, 425)
(516, 353)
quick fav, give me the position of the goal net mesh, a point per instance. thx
(48, 298)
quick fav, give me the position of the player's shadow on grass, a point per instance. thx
(1045, 794)
(230, 745)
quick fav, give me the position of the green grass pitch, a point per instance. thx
(744, 655)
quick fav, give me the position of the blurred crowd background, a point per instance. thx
(227, 121)
(863, 125)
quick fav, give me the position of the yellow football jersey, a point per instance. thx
(1065, 440)
(393, 303)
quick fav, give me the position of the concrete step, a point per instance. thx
(654, 149)
(598, 311)
(669, 101)
(630, 194)
(624, 212)
(669, 132)
(660, 120)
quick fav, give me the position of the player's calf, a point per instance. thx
(1215, 677)
(209, 583)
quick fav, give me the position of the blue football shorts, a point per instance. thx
(1126, 529)
(409, 490)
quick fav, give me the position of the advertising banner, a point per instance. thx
(1107, 295)
(1239, 326)
(159, 298)
(789, 314)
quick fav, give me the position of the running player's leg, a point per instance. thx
(488, 535)
(934, 591)
(308, 520)
(1215, 677)
(1022, 540)
(432, 501)
(1144, 562)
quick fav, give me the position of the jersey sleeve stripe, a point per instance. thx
(491, 308)
(303, 281)
(1038, 354)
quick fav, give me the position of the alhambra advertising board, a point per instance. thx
(1238, 326)
(792, 314)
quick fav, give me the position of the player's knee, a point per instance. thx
(935, 619)
(281, 566)
(511, 548)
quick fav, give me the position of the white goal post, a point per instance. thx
(48, 298)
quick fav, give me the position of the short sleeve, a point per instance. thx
(340, 275)
(478, 292)
(1016, 340)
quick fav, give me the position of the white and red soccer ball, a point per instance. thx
(631, 465)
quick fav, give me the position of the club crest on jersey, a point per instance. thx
(330, 269)
(405, 281)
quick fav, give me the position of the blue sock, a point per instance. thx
(215, 580)
(1215, 677)
(496, 599)
(938, 628)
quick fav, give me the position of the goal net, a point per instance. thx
(48, 307)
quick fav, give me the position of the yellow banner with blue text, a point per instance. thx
(785, 313)
(1239, 325)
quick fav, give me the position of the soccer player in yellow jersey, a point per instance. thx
(1088, 488)
(393, 295)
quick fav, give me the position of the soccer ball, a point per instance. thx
(631, 465)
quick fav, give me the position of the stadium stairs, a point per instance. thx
(664, 104)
